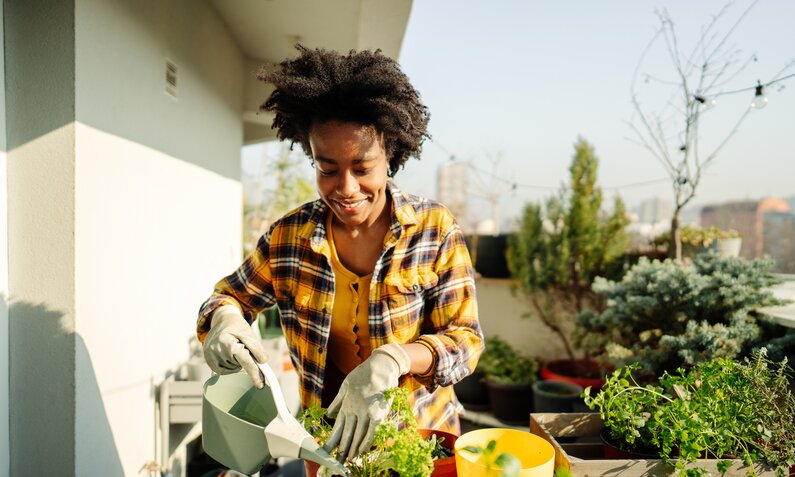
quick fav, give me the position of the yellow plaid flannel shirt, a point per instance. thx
(422, 290)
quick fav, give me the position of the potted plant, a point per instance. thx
(560, 247)
(443, 451)
(697, 240)
(509, 377)
(723, 408)
(399, 448)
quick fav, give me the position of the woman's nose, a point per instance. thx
(348, 185)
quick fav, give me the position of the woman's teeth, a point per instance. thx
(351, 205)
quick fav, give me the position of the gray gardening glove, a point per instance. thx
(231, 344)
(360, 405)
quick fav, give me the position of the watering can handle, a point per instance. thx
(270, 380)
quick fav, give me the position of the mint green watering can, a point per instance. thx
(243, 427)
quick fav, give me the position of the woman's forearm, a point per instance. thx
(421, 358)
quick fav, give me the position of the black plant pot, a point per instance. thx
(511, 402)
(472, 391)
(555, 396)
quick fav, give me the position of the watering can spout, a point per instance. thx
(321, 457)
(286, 437)
(236, 416)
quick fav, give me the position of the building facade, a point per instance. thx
(121, 201)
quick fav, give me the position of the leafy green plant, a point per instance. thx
(503, 363)
(440, 451)
(397, 447)
(508, 463)
(718, 408)
(669, 314)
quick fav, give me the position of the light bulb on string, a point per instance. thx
(706, 103)
(760, 100)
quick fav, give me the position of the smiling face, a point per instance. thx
(351, 165)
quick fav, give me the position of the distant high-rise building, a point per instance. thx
(749, 219)
(654, 210)
(451, 188)
(780, 240)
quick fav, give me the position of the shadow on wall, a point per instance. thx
(44, 424)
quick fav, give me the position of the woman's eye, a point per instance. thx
(326, 173)
(363, 172)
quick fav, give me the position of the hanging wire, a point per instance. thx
(753, 88)
(519, 185)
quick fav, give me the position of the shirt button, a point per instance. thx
(320, 351)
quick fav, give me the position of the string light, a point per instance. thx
(759, 101)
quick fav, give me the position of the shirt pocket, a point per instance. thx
(404, 300)
(306, 306)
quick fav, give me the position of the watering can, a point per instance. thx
(243, 427)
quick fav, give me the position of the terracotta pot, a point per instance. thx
(578, 371)
(613, 451)
(442, 467)
(511, 402)
(311, 468)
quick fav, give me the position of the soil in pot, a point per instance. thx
(613, 450)
(472, 391)
(578, 371)
(512, 403)
(555, 396)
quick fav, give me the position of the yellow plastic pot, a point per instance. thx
(536, 455)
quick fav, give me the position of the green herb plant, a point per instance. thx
(503, 363)
(398, 448)
(509, 464)
(719, 408)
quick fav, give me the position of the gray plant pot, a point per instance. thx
(555, 396)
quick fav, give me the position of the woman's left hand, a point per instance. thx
(360, 405)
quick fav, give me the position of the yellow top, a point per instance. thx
(349, 338)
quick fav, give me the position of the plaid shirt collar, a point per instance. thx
(403, 216)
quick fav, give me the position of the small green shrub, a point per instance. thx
(503, 363)
(668, 314)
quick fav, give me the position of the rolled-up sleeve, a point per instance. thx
(452, 312)
(249, 288)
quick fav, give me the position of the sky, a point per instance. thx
(511, 85)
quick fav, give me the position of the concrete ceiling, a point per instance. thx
(267, 31)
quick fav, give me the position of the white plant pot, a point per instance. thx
(729, 247)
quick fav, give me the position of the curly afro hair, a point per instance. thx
(365, 87)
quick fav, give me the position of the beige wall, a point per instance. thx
(123, 212)
(157, 199)
(39, 60)
(501, 313)
(4, 443)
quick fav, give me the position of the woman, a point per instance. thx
(375, 287)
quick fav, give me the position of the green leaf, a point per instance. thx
(474, 450)
(491, 446)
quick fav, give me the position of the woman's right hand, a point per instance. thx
(231, 344)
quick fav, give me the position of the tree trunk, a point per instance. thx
(675, 247)
(550, 322)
